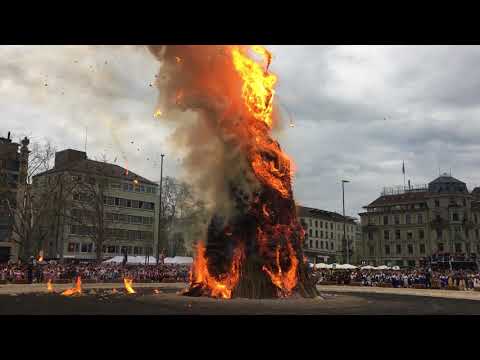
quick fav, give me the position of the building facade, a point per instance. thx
(128, 218)
(13, 169)
(405, 226)
(324, 235)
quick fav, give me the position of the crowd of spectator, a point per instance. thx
(417, 278)
(38, 273)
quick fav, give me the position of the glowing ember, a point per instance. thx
(158, 113)
(49, 286)
(128, 285)
(156, 291)
(77, 290)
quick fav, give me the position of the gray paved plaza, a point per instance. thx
(163, 299)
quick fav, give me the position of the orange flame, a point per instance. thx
(178, 97)
(257, 90)
(285, 281)
(76, 290)
(49, 286)
(222, 286)
(128, 285)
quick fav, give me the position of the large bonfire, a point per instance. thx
(221, 99)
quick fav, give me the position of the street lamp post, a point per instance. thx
(160, 209)
(345, 220)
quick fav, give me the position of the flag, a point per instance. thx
(403, 167)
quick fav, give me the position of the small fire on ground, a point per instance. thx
(128, 285)
(77, 290)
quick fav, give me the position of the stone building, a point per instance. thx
(404, 226)
(13, 174)
(324, 235)
(129, 209)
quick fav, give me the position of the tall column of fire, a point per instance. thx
(221, 102)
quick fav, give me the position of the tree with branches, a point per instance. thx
(28, 208)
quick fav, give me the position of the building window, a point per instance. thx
(455, 217)
(326, 235)
(331, 235)
(371, 250)
(321, 244)
(316, 233)
(310, 222)
(458, 247)
(464, 202)
(386, 235)
(409, 235)
(311, 244)
(370, 235)
(84, 248)
(439, 234)
(316, 223)
(331, 226)
(73, 247)
(331, 246)
(310, 232)
(410, 249)
(421, 234)
(467, 248)
(397, 219)
(408, 219)
(397, 234)
(476, 233)
(440, 247)
(316, 244)
(420, 218)
(399, 249)
(422, 248)
(437, 203)
(321, 233)
(387, 249)
(385, 220)
(321, 224)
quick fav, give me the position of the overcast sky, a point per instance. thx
(359, 111)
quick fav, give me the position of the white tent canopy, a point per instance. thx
(132, 260)
(368, 267)
(178, 260)
(323, 266)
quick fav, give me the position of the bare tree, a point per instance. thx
(28, 208)
(181, 210)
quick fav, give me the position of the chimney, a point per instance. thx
(66, 157)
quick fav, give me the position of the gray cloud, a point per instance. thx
(359, 111)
